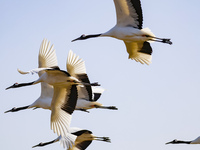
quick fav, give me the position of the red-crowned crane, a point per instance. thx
(129, 29)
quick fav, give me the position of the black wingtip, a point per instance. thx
(146, 48)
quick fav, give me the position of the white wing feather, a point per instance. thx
(133, 48)
(47, 58)
(60, 122)
(67, 142)
(75, 65)
(74, 129)
(47, 55)
(125, 13)
(96, 89)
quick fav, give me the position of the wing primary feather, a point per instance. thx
(75, 65)
(136, 4)
(47, 55)
(71, 100)
(59, 127)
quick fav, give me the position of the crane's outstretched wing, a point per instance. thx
(76, 68)
(47, 59)
(129, 13)
(47, 55)
(63, 104)
(75, 65)
(96, 93)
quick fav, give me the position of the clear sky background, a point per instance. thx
(157, 103)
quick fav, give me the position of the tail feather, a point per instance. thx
(33, 71)
(23, 72)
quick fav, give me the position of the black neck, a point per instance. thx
(183, 142)
(179, 142)
(92, 36)
(47, 143)
(17, 109)
(44, 144)
(16, 85)
(25, 84)
(83, 37)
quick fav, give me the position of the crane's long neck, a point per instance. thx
(24, 84)
(183, 142)
(17, 109)
(16, 85)
(179, 142)
(92, 36)
(44, 144)
(84, 37)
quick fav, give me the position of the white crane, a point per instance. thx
(83, 140)
(195, 141)
(65, 93)
(129, 29)
(47, 59)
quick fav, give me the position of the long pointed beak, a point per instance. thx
(34, 146)
(75, 39)
(169, 142)
(9, 87)
(8, 111)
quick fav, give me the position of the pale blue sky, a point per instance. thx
(157, 103)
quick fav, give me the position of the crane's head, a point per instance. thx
(11, 110)
(172, 142)
(15, 85)
(38, 145)
(82, 37)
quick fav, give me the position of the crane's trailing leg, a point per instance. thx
(105, 139)
(162, 40)
(82, 110)
(106, 107)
